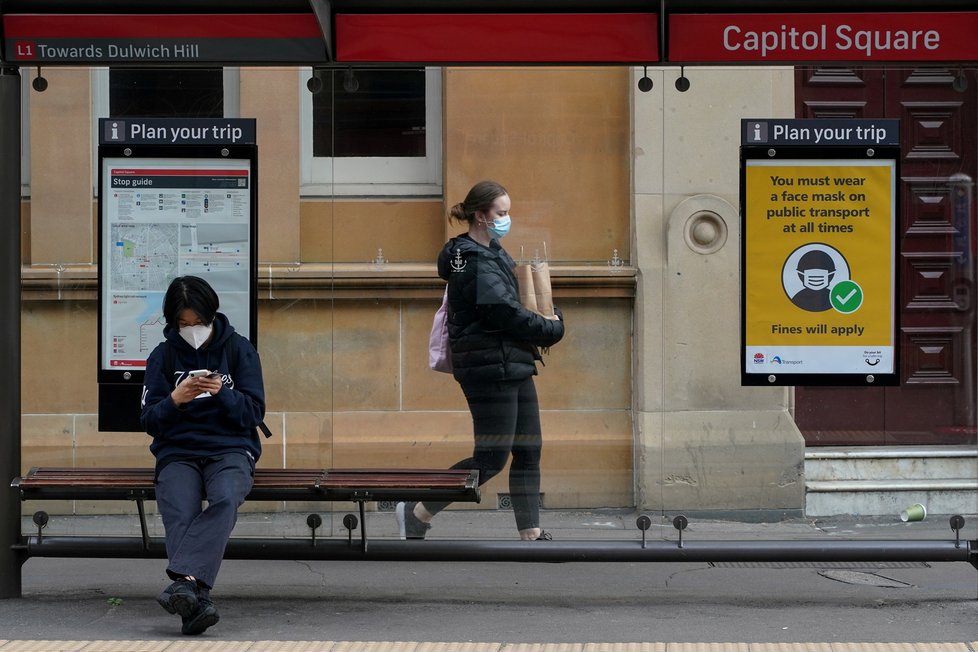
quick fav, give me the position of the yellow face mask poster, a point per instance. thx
(819, 268)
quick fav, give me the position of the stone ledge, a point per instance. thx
(926, 484)
(279, 281)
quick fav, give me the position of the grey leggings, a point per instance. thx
(506, 419)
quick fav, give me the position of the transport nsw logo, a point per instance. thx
(25, 49)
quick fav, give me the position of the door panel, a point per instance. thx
(935, 400)
(833, 416)
(835, 92)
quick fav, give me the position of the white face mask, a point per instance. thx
(816, 279)
(195, 336)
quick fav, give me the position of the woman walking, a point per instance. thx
(495, 345)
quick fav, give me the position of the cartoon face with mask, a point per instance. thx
(816, 271)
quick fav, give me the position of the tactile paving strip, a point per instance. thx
(198, 645)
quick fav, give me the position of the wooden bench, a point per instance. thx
(326, 485)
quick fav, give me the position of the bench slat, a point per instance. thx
(67, 483)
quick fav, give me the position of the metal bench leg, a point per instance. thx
(314, 521)
(40, 520)
(143, 529)
(363, 528)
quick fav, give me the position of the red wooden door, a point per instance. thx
(935, 402)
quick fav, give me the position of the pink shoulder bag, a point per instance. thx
(439, 351)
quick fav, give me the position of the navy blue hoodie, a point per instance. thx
(207, 425)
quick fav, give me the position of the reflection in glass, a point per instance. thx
(939, 127)
(369, 113)
(166, 93)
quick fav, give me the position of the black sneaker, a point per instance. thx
(408, 525)
(544, 536)
(181, 597)
(204, 616)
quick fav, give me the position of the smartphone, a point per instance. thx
(198, 373)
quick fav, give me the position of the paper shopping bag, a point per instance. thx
(540, 273)
(524, 278)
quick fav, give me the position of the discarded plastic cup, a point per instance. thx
(915, 512)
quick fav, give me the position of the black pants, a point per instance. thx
(506, 419)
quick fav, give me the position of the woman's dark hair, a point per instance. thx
(480, 198)
(190, 292)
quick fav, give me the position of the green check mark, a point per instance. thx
(846, 296)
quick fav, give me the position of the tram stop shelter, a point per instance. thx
(342, 34)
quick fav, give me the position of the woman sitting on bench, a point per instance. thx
(202, 409)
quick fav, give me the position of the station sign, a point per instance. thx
(176, 131)
(850, 37)
(85, 39)
(507, 38)
(819, 252)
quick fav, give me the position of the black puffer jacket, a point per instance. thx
(493, 337)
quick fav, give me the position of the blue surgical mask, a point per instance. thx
(499, 226)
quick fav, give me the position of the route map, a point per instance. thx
(144, 256)
(163, 218)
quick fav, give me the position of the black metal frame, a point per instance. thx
(478, 6)
(469, 550)
(10, 357)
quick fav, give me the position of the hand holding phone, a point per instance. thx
(186, 391)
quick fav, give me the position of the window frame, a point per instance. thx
(374, 176)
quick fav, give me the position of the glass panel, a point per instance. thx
(371, 133)
(631, 193)
(368, 112)
(722, 454)
(527, 129)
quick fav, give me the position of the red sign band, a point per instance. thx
(497, 38)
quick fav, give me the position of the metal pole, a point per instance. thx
(525, 551)
(962, 207)
(10, 558)
(962, 189)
